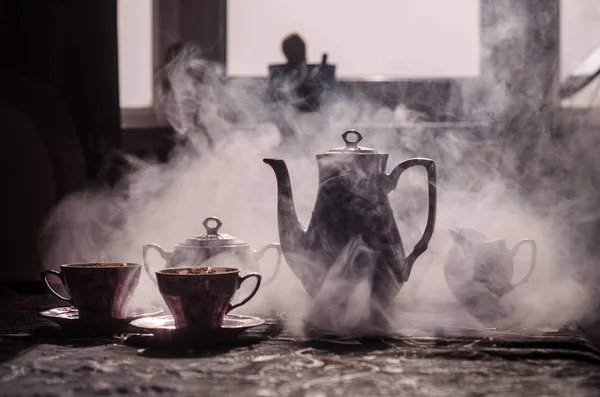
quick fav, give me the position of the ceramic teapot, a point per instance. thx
(352, 220)
(201, 250)
(477, 265)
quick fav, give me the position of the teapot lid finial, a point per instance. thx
(212, 237)
(212, 230)
(351, 138)
(349, 143)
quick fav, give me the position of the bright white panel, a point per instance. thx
(579, 32)
(579, 36)
(135, 53)
(393, 38)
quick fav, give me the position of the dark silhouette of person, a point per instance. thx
(301, 83)
(297, 82)
(290, 82)
(294, 50)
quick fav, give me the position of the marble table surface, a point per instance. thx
(37, 358)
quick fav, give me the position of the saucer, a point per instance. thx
(69, 316)
(163, 329)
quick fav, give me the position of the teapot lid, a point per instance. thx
(352, 144)
(212, 238)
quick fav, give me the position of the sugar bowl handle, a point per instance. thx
(45, 275)
(390, 183)
(164, 254)
(254, 291)
(261, 252)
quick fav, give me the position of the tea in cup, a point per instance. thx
(200, 297)
(98, 290)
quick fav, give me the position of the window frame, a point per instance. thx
(165, 32)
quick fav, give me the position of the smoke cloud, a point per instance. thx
(485, 182)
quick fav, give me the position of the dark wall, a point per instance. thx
(204, 22)
(71, 46)
(59, 101)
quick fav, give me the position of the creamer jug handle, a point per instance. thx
(513, 252)
(392, 182)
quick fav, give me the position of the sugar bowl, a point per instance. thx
(212, 249)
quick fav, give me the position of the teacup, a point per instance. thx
(200, 297)
(98, 290)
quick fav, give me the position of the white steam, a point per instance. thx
(220, 173)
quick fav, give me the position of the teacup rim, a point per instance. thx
(171, 271)
(105, 265)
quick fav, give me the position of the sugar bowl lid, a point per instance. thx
(212, 238)
(352, 144)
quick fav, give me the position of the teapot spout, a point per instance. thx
(291, 231)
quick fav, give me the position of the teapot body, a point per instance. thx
(352, 234)
(353, 226)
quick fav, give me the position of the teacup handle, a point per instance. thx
(164, 254)
(46, 274)
(261, 252)
(513, 252)
(240, 281)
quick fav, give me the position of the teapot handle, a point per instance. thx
(513, 252)
(165, 255)
(392, 182)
